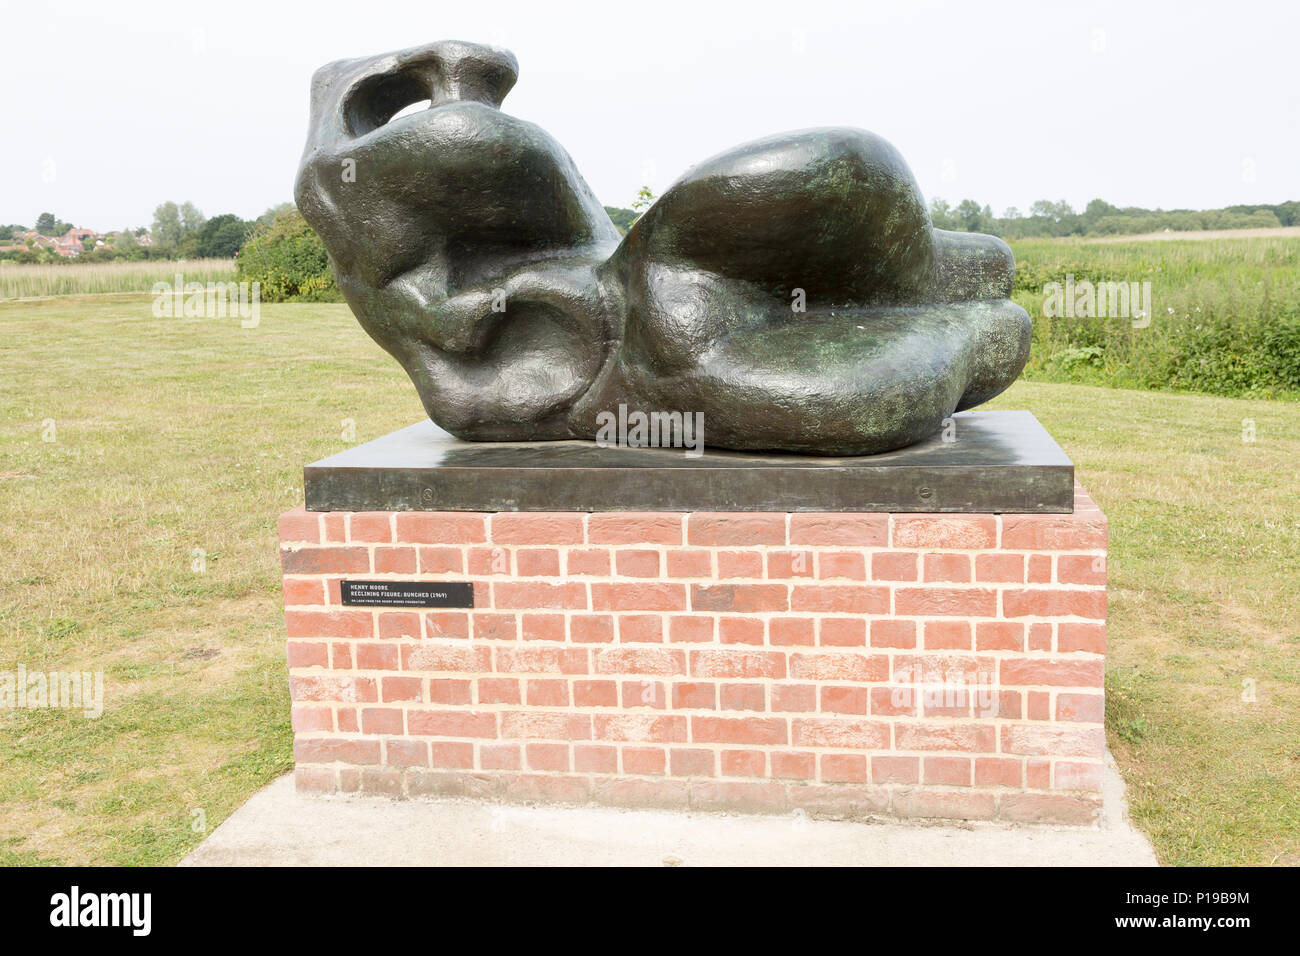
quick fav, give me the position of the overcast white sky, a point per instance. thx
(113, 106)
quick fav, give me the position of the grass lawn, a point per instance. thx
(140, 541)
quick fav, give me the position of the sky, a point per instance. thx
(112, 107)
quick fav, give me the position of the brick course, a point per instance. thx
(844, 664)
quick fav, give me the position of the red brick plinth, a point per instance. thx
(843, 664)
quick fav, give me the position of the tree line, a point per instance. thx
(178, 231)
(1100, 218)
(181, 231)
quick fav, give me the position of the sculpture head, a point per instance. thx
(469, 246)
(449, 230)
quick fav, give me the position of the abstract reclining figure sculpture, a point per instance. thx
(470, 248)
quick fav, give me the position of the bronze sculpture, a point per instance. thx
(792, 290)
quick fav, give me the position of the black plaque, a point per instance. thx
(407, 593)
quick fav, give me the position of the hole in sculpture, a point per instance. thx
(417, 107)
(378, 100)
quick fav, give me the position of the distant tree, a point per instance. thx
(643, 201)
(1043, 208)
(1047, 218)
(275, 212)
(124, 245)
(1112, 225)
(47, 224)
(167, 229)
(221, 236)
(191, 219)
(176, 229)
(968, 214)
(1097, 210)
(192, 222)
(1055, 218)
(941, 215)
(621, 218)
(972, 218)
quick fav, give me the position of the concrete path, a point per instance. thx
(279, 828)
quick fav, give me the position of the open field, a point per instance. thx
(1224, 315)
(140, 540)
(76, 278)
(1202, 234)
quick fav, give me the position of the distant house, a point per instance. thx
(71, 243)
(34, 240)
(68, 247)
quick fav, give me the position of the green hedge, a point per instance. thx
(289, 261)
